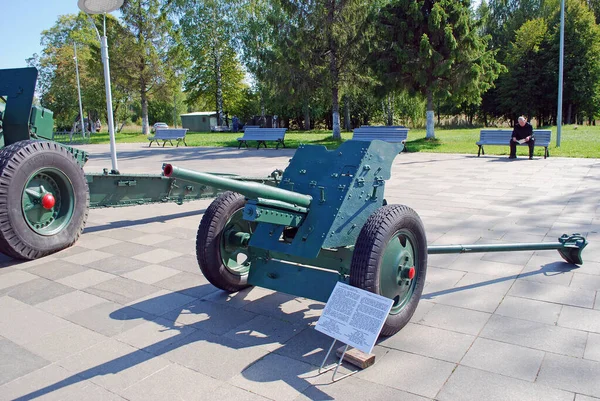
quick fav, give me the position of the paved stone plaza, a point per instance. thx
(126, 313)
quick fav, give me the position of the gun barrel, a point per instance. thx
(251, 190)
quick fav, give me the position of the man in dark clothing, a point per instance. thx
(523, 132)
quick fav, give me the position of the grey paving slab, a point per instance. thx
(580, 318)
(592, 349)
(151, 274)
(264, 331)
(186, 263)
(117, 265)
(85, 279)
(11, 304)
(113, 365)
(288, 308)
(529, 309)
(87, 257)
(440, 279)
(17, 361)
(587, 281)
(194, 285)
(156, 335)
(505, 359)
(548, 270)
(239, 299)
(580, 397)
(15, 277)
(430, 341)
(150, 239)
(69, 303)
(353, 388)
(468, 384)
(56, 269)
(208, 316)
(183, 384)
(215, 356)
(571, 374)
(553, 293)
(475, 264)
(160, 302)
(110, 318)
(535, 335)
(95, 242)
(454, 319)
(122, 290)
(36, 291)
(157, 256)
(23, 325)
(421, 375)
(474, 298)
(127, 249)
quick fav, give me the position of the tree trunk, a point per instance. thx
(333, 69)
(390, 110)
(145, 125)
(306, 117)
(430, 115)
(569, 110)
(347, 122)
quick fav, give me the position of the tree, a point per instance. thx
(433, 47)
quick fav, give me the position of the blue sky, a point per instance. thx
(21, 30)
(22, 25)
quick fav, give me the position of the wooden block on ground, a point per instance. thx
(356, 357)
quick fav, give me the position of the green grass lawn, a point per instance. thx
(581, 141)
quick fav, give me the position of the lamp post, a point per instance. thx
(79, 92)
(103, 7)
(560, 73)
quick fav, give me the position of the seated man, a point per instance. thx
(523, 132)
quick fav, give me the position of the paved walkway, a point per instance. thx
(126, 314)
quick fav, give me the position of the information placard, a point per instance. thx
(354, 316)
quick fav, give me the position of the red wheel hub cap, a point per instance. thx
(411, 273)
(48, 201)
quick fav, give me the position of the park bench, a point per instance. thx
(250, 126)
(168, 135)
(383, 133)
(502, 137)
(262, 135)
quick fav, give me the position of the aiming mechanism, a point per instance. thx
(327, 221)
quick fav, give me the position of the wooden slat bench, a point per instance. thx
(502, 137)
(250, 126)
(168, 134)
(383, 133)
(262, 135)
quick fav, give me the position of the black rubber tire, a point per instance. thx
(379, 229)
(17, 163)
(209, 238)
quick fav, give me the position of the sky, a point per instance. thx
(21, 30)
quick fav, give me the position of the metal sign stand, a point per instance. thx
(335, 365)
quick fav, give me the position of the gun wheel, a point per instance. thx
(222, 243)
(390, 259)
(44, 199)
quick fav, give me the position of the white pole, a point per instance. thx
(79, 91)
(560, 73)
(109, 109)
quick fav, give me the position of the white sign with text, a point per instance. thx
(354, 316)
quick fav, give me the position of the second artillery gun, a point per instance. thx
(328, 221)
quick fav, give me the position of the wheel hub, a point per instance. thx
(398, 271)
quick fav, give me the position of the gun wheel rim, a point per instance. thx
(234, 256)
(42, 220)
(398, 259)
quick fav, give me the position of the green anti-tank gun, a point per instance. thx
(327, 221)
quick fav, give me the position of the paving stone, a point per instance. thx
(8, 303)
(579, 397)
(17, 361)
(529, 309)
(56, 269)
(208, 316)
(194, 285)
(183, 246)
(119, 233)
(264, 331)
(182, 233)
(478, 299)
(95, 241)
(36, 291)
(239, 299)
(64, 342)
(215, 356)
(149, 239)
(429, 341)
(309, 346)
(69, 303)
(157, 256)
(505, 359)
(15, 278)
(288, 308)
(87, 257)
(160, 302)
(68, 252)
(151, 274)
(113, 365)
(592, 349)
(183, 384)
(276, 377)
(580, 319)
(28, 324)
(440, 280)
(468, 384)
(420, 375)
(122, 290)
(553, 293)
(496, 284)
(515, 258)
(548, 269)
(227, 392)
(155, 335)
(186, 263)
(454, 319)
(353, 388)
(535, 335)
(587, 281)
(118, 265)
(109, 318)
(88, 278)
(128, 249)
(571, 374)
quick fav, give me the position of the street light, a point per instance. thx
(560, 73)
(103, 7)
